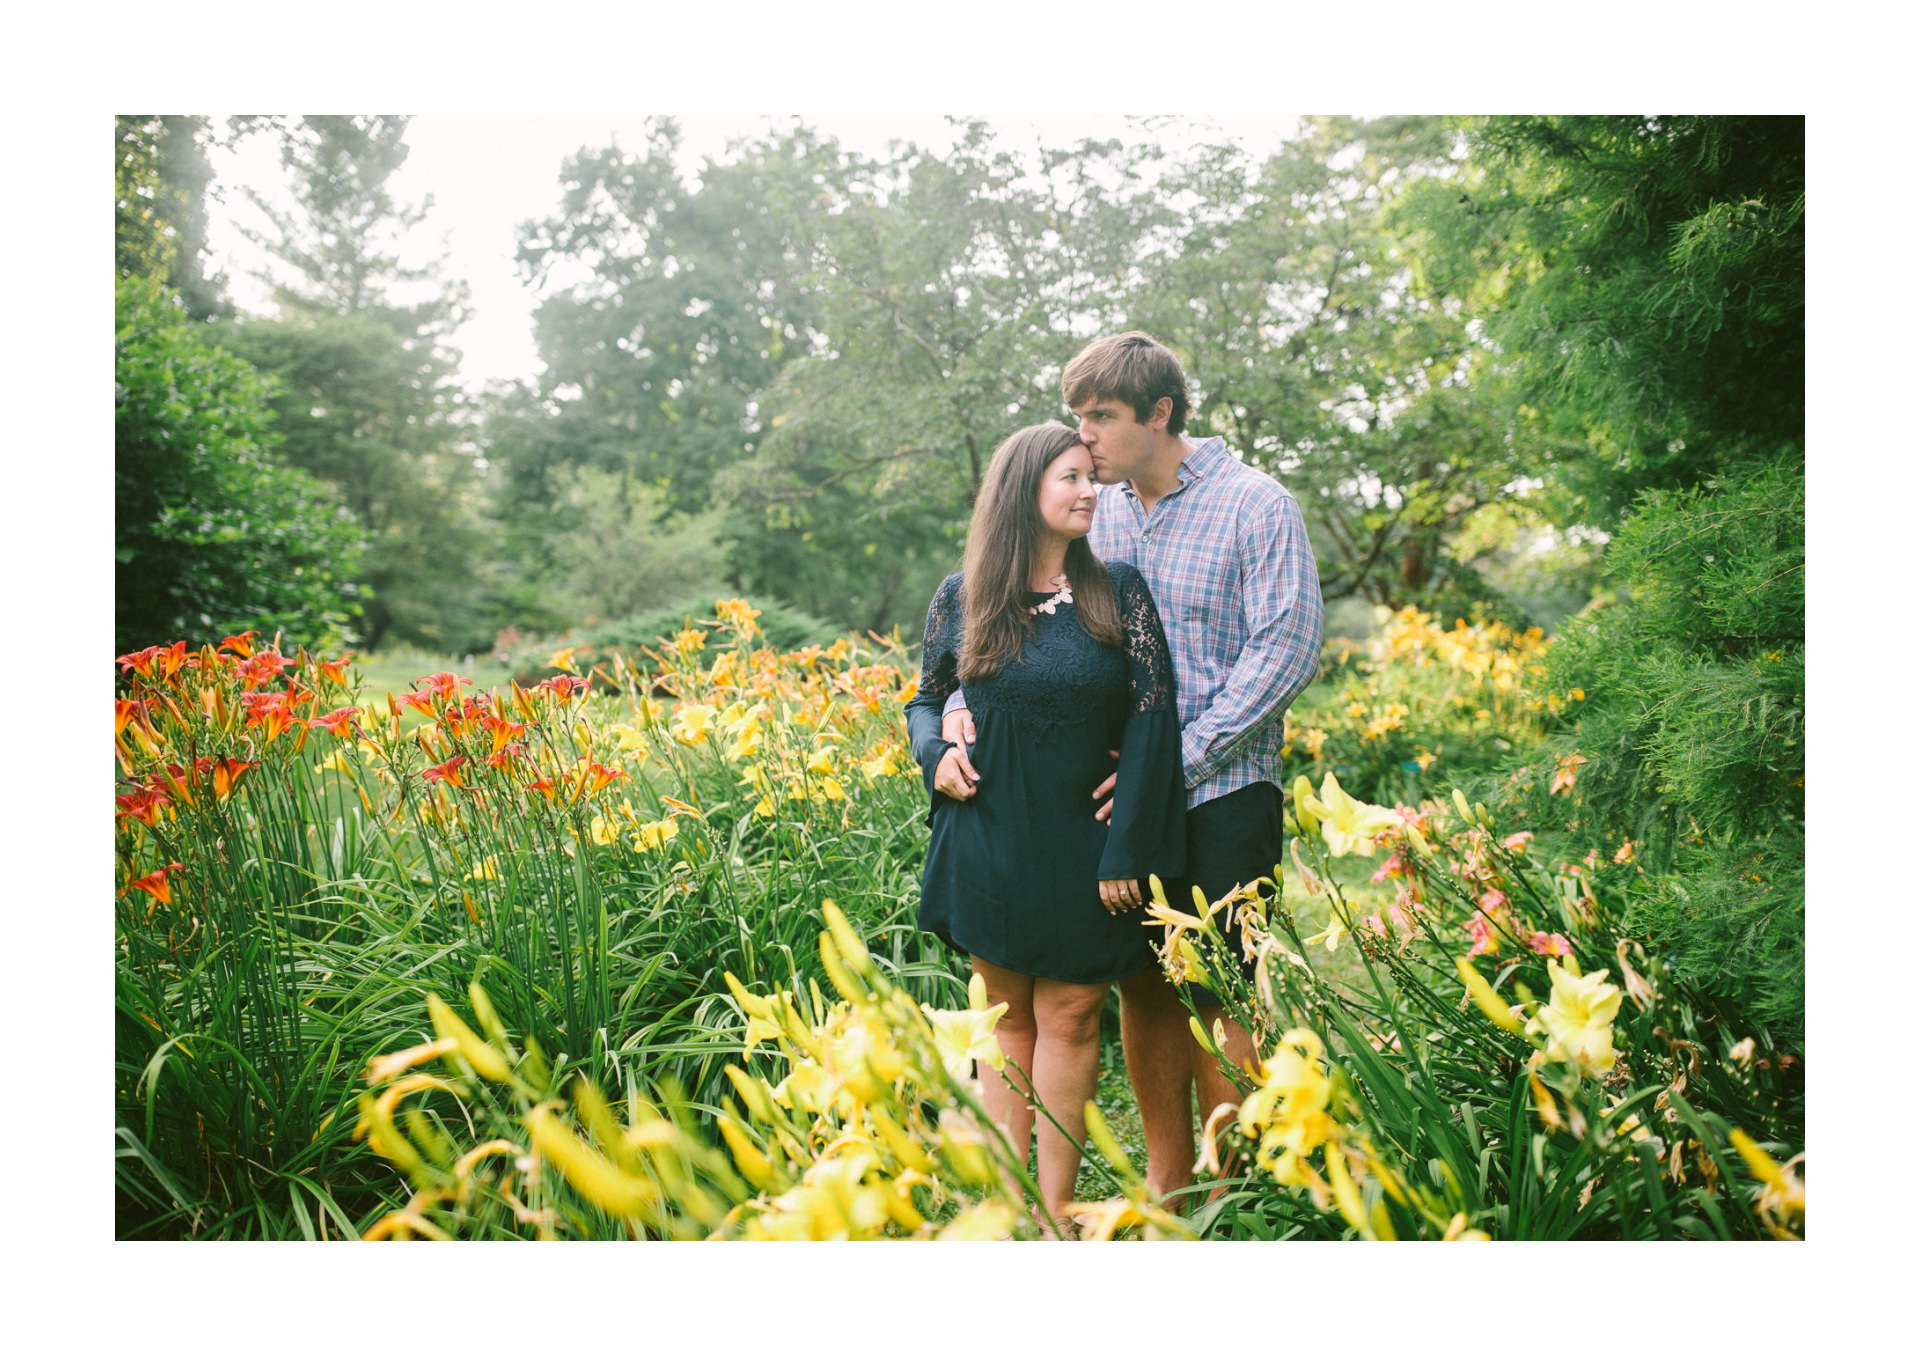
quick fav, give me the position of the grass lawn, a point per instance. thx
(395, 670)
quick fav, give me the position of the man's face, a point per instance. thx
(1119, 443)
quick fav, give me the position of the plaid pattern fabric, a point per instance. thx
(1226, 557)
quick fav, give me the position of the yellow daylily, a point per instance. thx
(691, 724)
(763, 1014)
(1348, 826)
(627, 739)
(989, 1221)
(1578, 1019)
(655, 834)
(965, 1036)
(1330, 935)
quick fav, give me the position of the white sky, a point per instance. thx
(487, 174)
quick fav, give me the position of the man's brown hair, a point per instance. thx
(1134, 367)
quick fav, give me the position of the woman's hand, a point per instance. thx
(955, 775)
(1120, 895)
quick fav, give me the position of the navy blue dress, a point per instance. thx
(1013, 874)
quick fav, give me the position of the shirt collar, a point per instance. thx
(1204, 458)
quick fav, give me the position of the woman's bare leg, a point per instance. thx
(1005, 1092)
(1066, 1066)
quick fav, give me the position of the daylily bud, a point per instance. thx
(488, 1062)
(963, 1150)
(852, 949)
(1200, 1033)
(899, 1142)
(1460, 804)
(1345, 1194)
(483, 1011)
(1381, 1221)
(587, 1171)
(1543, 1103)
(837, 973)
(1302, 795)
(1100, 1134)
(755, 1166)
(1483, 995)
(753, 1094)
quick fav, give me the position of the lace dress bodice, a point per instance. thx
(1012, 873)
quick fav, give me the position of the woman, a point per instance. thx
(1063, 660)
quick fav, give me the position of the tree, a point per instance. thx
(1647, 287)
(213, 533)
(682, 301)
(1651, 301)
(160, 180)
(674, 305)
(366, 395)
(949, 291)
(1320, 352)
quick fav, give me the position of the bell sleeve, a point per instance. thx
(1147, 833)
(939, 679)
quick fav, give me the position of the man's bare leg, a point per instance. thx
(1213, 1085)
(1159, 1049)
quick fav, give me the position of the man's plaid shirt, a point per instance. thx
(1226, 556)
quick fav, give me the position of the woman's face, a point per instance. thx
(1067, 494)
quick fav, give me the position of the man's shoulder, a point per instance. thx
(1245, 486)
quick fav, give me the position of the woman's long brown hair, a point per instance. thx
(1002, 543)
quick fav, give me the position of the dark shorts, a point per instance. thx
(1231, 840)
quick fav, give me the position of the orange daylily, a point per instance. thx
(457, 719)
(505, 754)
(592, 776)
(270, 709)
(155, 883)
(263, 668)
(227, 774)
(445, 686)
(338, 723)
(140, 661)
(448, 772)
(144, 805)
(564, 687)
(1563, 775)
(169, 659)
(503, 731)
(334, 670)
(241, 644)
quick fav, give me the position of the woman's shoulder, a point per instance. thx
(950, 586)
(1125, 577)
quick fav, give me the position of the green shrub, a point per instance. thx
(1692, 731)
(213, 532)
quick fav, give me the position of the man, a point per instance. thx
(1224, 551)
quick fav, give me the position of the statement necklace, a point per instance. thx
(1064, 595)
